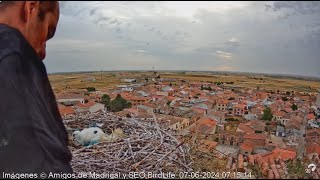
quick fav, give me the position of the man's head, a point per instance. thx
(36, 20)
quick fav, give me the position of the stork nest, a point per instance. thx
(145, 147)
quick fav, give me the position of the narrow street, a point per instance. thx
(301, 146)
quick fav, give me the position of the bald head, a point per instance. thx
(36, 20)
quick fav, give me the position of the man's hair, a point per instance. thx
(45, 7)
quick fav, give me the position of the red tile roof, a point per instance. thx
(312, 147)
(170, 98)
(207, 145)
(288, 110)
(245, 128)
(205, 125)
(293, 123)
(64, 110)
(284, 154)
(69, 96)
(217, 113)
(278, 113)
(198, 110)
(247, 146)
(222, 101)
(255, 136)
(257, 125)
(313, 133)
(158, 96)
(86, 105)
(207, 121)
(311, 116)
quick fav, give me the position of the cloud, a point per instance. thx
(188, 35)
(141, 51)
(224, 55)
(77, 45)
(220, 68)
(93, 11)
(102, 19)
(225, 68)
(234, 40)
(297, 7)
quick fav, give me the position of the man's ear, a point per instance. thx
(30, 8)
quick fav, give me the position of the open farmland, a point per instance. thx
(110, 79)
(269, 83)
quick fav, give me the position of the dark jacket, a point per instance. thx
(32, 134)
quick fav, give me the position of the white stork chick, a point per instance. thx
(89, 136)
(93, 135)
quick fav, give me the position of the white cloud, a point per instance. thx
(141, 51)
(224, 55)
(67, 44)
(225, 68)
(234, 40)
(178, 34)
(188, 9)
(220, 68)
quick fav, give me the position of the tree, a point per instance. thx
(105, 99)
(294, 107)
(288, 93)
(128, 115)
(170, 85)
(91, 89)
(217, 83)
(168, 103)
(118, 104)
(201, 88)
(296, 169)
(267, 114)
(209, 88)
(284, 99)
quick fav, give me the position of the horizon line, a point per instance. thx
(213, 71)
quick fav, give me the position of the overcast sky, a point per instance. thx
(267, 37)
